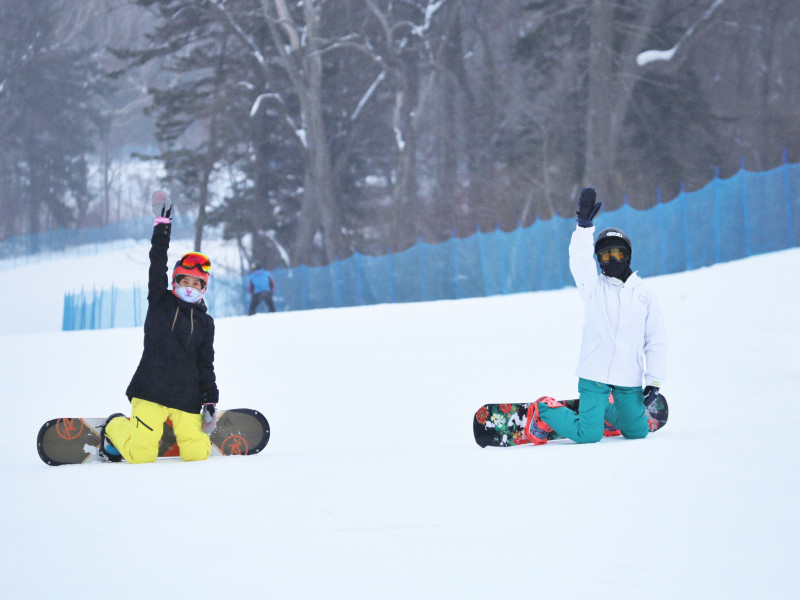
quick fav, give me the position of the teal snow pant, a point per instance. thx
(626, 414)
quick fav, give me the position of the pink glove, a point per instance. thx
(162, 205)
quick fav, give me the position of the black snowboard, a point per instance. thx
(504, 424)
(239, 431)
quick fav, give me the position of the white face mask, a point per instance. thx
(188, 294)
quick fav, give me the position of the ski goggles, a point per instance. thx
(195, 260)
(606, 255)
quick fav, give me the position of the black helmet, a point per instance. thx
(612, 238)
(255, 266)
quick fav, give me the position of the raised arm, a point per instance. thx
(581, 247)
(157, 280)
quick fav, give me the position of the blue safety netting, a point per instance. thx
(750, 213)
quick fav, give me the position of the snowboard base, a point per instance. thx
(65, 441)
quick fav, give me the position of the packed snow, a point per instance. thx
(372, 486)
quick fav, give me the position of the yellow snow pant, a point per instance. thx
(137, 439)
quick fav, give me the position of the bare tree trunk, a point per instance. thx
(405, 201)
(611, 87)
(601, 82)
(303, 64)
(317, 213)
(212, 151)
(401, 51)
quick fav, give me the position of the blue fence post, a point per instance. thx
(420, 251)
(303, 290)
(717, 235)
(65, 314)
(522, 279)
(543, 285)
(452, 242)
(479, 237)
(97, 321)
(661, 233)
(359, 283)
(338, 275)
(745, 212)
(562, 271)
(685, 213)
(83, 309)
(503, 260)
(391, 274)
(788, 199)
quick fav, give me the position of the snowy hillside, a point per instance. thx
(372, 487)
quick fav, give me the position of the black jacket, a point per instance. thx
(177, 365)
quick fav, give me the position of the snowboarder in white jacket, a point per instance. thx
(624, 342)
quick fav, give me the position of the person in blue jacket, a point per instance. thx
(261, 287)
(624, 341)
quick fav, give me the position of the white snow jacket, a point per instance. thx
(624, 337)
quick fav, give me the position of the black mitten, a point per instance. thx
(650, 394)
(587, 207)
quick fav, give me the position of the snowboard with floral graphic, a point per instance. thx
(504, 424)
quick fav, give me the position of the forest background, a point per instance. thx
(307, 131)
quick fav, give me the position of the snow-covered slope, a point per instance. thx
(372, 487)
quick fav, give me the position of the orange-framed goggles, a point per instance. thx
(196, 260)
(606, 255)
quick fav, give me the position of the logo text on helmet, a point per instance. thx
(614, 233)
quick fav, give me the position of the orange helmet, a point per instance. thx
(194, 264)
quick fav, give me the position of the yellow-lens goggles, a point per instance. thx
(608, 254)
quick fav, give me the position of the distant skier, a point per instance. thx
(261, 288)
(175, 378)
(624, 340)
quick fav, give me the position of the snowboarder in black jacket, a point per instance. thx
(175, 378)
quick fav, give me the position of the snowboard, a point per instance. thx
(239, 431)
(504, 424)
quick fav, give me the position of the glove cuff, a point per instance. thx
(160, 220)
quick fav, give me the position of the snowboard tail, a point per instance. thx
(65, 441)
(504, 424)
(69, 441)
